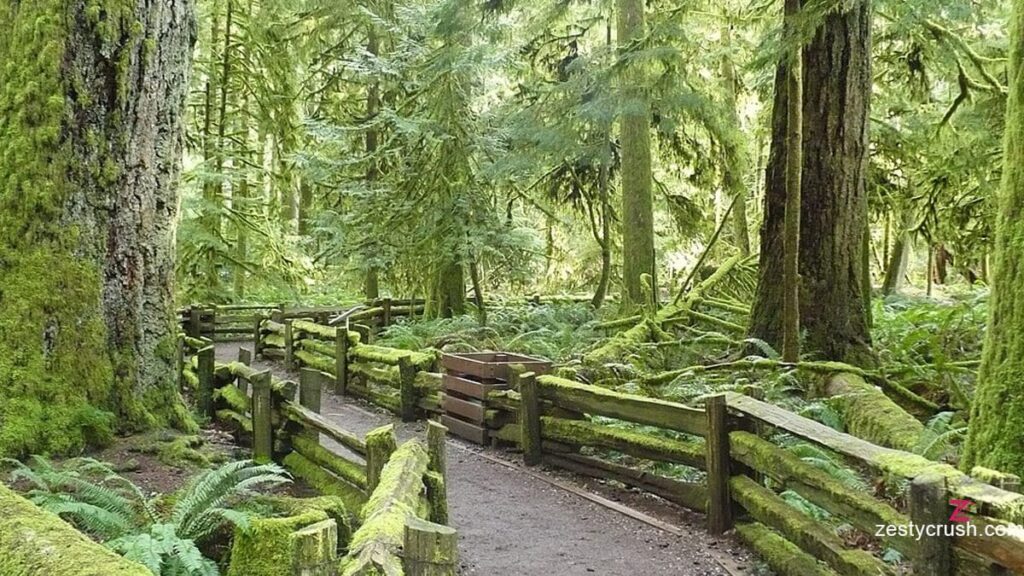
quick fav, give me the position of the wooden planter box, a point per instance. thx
(468, 378)
(486, 366)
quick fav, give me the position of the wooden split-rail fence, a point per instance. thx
(732, 441)
(281, 421)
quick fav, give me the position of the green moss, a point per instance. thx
(57, 355)
(869, 414)
(266, 547)
(34, 542)
(585, 433)
(323, 481)
(784, 557)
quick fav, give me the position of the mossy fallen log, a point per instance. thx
(34, 542)
(869, 414)
(347, 470)
(376, 545)
(902, 395)
(784, 557)
(650, 330)
(367, 314)
(810, 535)
(584, 433)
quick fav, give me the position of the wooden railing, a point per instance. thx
(403, 382)
(235, 322)
(728, 441)
(281, 421)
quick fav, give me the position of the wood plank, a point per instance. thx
(311, 419)
(630, 407)
(465, 430)
(585, 433)
(493, 365)
(469, 388)
(469, 410)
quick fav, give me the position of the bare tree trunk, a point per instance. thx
(737, 161)
(91, 124)
(896, 269)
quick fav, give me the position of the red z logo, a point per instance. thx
(960, 506)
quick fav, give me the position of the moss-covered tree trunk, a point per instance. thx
(837, 83)
(791, 218)
(635, 139)
(896, 267)
(91, 105)
(996, 433)
(736, 161)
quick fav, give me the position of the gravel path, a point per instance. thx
(512, 523)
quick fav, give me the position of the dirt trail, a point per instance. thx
(512, 523)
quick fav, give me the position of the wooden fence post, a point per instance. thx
(717, 456)
(386, 314)
(194, 319)
(407, 388)
(179, 361)
(204, 370)
(257, 336)
(380, 443)
(436, 477)
(262, 426)
(213, 323)
(341, 360)
(316, 549)
(244, 355)
(429, 549)
(309, 397)
(289, 352)
(929, 506)
(529, 418)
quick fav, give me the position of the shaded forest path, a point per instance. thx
(513, 523)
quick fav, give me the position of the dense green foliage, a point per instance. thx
(163, 536)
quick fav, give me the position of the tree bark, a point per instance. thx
(637, 194)
(834, 204)
(996, 434)
(91, 109)
(896, 269)
(791, 218)
(736, 160)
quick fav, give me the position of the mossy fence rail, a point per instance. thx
(396, 495)
(552, 420)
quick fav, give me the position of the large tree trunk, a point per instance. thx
(996, 437)
(736, 159)
(637, 195)
(834, 204)
(91, 106)
(791, 218)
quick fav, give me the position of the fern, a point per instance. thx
(96, 499)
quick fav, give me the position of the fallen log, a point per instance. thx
(869, 414)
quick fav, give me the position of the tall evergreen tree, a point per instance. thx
(837, 87)
(91, 106)
(635, 137)
(996, 433)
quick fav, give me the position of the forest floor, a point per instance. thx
(514, 522)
